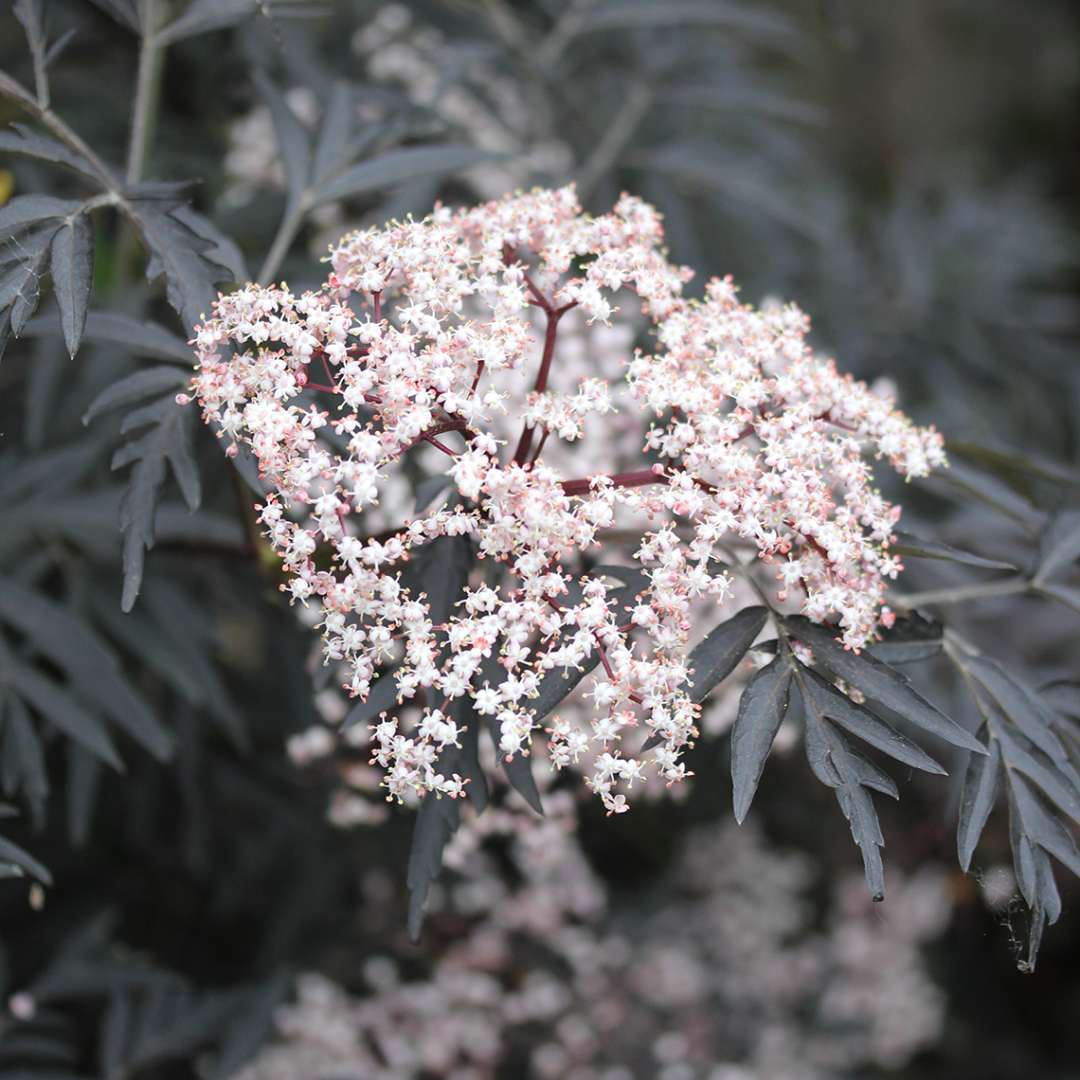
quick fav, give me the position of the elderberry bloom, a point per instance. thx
(443, 335)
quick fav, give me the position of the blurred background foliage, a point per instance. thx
(907, 172)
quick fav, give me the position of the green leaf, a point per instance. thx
(719, 653)
(913, 546)
(72, 267)
(762, 709)
(881, 684)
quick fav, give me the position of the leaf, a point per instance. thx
(1068, 595)
(28, 12)
(72, 269)
(1018, 702)
(62, 637)
(141, 337)
(909, 640)
(977, 800)
(428, 490)
(827, 700)
(26, 210)
(1062, 695)
(20, 281)
(14, 855)
(27, 142)
(205, 16)
(292, 137)
(182, 256)
(123, 11)
(717, 656)
(135, 387)
(880, 684)
(615, 15)
(762, 708)
(993, 493)
(21, 755)
(397, 166)
(1006, 459)
(59, 707)
(837, 766)
(1060, 544)
(332, 145)
(913, 546)
(436, 821)
(251, 1027)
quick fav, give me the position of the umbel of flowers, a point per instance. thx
(444, 333)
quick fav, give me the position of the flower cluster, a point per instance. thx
(426, 335)
(737, 975)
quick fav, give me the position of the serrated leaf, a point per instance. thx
(395, 167)
(179, 254)
(977, 798)
(880, 684)
(1018, 702)
(61, 708)
(762, 709)
(167, 443)
(20, 281)
(68, 642)
(72, 268)
(27, 142)
(849, 774)
(826, 699)
(719, 653)
(25, 210)
(914, 547)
